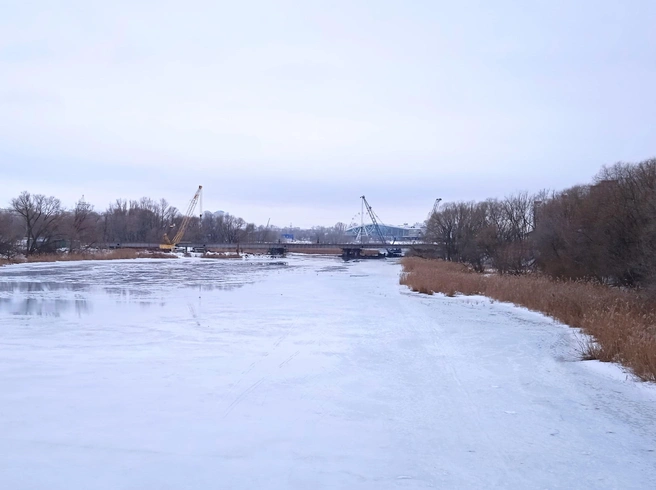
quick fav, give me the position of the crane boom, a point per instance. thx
(372, 215)
(171, 244)
(435, 206)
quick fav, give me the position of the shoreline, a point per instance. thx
(123, 254)
(619, 323)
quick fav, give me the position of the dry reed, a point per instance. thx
(622, 322)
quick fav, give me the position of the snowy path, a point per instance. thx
(321, 375)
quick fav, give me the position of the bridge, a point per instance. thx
(269, 245)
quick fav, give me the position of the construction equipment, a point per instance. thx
(391, 252)
(170, 244)
(435, 206)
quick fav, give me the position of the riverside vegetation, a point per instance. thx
(585, 256)
(35, 224)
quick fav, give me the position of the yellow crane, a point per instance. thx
(171, 244)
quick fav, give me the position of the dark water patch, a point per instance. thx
(70, 289)
(47, 307)
(40, 286)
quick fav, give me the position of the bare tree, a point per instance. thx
(41, 216)
(143, 220)
(82, 226)
(232, 228)
(10, 233)
(337, 233)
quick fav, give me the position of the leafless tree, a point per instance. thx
(143, 220)
(42, 217)
(82, 226)
(11, 233)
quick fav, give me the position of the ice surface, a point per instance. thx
(307, 374)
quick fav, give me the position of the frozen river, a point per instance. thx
(305, 374)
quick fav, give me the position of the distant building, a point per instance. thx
(402, 233)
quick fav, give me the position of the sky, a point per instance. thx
(291, 110)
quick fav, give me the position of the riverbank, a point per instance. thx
(622, 323)
(146, 254)
(95, 255)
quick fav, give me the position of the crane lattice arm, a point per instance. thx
(170, 244)
(372, 215)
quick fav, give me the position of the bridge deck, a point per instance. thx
(266, 246)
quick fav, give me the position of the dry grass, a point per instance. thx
(96, 255)
(623, 323)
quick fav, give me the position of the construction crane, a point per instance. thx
(265, 234)
(391, 252)
(170, 244)
(435, 206)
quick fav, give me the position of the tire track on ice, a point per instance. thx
(242, 396)
(465, 403)
(289, 359)
(253, 387)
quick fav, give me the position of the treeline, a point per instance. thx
(604, 231)
(37, 224)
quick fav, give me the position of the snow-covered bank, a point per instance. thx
(314, 374)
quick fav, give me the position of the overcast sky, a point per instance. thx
(291, 110)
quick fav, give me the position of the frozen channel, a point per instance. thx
(307, 373)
